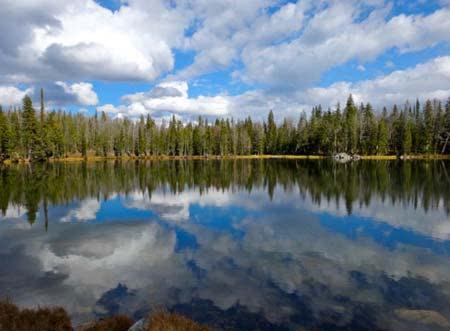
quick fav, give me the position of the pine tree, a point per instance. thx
(32, 140)
(271, 134)
(428, 127)
(4, 136)
(351, 125)
(369, 131)
(382, 137)
(446, 133)
(407, 138)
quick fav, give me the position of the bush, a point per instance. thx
(41, 319)
(163, 321)
(116, 323)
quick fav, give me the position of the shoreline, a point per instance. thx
(67, 159)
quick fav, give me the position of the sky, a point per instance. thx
(227, 58)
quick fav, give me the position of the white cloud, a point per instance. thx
(284, 47)
(11, 95)
(82, 40)
(176, 207)
(83, 93)
(56, 94)
(425, 81)
(86, 211)
(428, 80)
(225, 27)
(360, 67)
(169, 97)
(300, 62)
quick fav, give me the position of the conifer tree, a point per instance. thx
(271, 134)
(32, 140)
(427, 130)
(351, 125)
(4, 136)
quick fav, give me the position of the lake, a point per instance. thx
(235, 244)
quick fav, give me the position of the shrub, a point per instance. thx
(163, 321)
(41, 319)
(116, 323)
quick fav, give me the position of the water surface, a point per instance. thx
(238, 245)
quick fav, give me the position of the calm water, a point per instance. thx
(239, 245)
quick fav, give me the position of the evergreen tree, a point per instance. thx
(4, 136)
(382, 137)
(351, 125)
(271, 134)
(25, 134)
(427, 131)
(369, 131)
(407, 138)
(31, 137)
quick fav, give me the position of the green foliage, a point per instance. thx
(271, 134)
(58, 183)
(351, 125)
(55, 134)
(4, 136)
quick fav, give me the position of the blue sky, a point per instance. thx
(223, 58)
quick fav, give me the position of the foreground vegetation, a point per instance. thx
(57, 319)
(410, 129)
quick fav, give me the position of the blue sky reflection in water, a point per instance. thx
(265, 245)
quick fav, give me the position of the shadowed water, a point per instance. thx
(238, 245)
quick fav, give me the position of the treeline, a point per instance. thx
(410, 129)
(417, 184)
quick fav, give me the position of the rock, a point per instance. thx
(428, 317)
(140, 325)
(342, 157)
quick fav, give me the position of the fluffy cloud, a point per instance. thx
(282, 47)
(301, 61)
(56, 94)
(11, 95)
(83, 93)
(425, 81)
(86, 211)
(83, 40)
(227, 26)
(169, 98)
(273, 271)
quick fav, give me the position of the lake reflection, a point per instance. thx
(239, 245)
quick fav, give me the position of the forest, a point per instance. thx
(28, 134)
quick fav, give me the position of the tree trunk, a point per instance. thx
(445, 144)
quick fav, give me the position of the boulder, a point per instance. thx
(342, 157)
(140, 325)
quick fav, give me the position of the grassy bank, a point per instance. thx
(57, 319)
(92, 158)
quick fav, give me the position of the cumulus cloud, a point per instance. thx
(169, 97)
(428, 80)
(225, 27)
(56, 94)
(83, 40)
(82, 92)
(11, 95)
(86, 211)
(271, 270)
(301, 61)
(284, 48)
